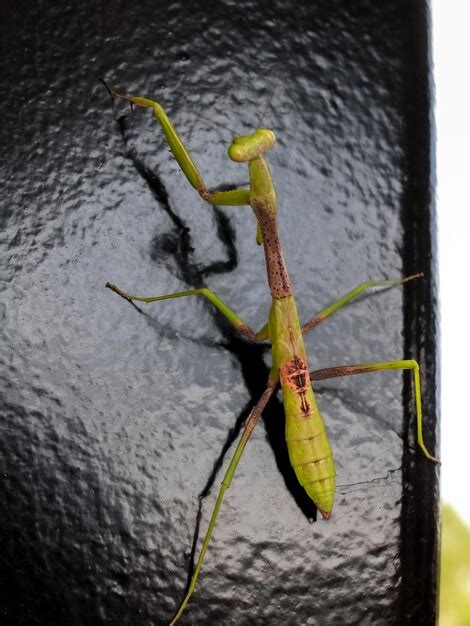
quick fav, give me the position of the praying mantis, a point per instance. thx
(307, 441)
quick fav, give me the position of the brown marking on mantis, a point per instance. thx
(294, 374)
(312, 323)
(304, 405)
(278, 276)
(325, 514)
(205, 193)
(247, 331)
(341, 370)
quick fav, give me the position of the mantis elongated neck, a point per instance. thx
(278, 276)
(263, 203)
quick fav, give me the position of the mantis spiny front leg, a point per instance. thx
(235, 197)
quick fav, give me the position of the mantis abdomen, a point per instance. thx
(310, 452)
(307, 441)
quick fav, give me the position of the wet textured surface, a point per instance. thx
(115, 420)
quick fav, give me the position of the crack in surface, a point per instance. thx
(378, 479)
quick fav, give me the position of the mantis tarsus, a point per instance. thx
(309, 450)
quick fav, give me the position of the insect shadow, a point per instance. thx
(175, 249)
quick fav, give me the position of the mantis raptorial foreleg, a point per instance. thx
(249, 426)
(365, 368)
(237, 322)
(235, 197)
(352, 295)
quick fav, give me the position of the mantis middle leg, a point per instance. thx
(352, 295)
(343, 301)
(250, 424)
(349, 370)
(237, 322)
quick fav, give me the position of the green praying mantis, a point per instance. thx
(307, 441)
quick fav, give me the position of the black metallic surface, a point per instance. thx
(114, 421)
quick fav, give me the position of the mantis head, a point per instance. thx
(248, 147)
(262, 195)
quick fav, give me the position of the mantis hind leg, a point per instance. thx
(352, 295)
(250, 424)
(349, 370)
(237, 322)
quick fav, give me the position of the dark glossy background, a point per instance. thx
(114, 422)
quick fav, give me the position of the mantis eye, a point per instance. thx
(236, 153)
